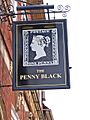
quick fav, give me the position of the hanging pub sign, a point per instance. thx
(40, 55)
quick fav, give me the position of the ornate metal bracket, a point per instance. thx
(9, 11)
(60, 10)
(64, 9)
(4, 12)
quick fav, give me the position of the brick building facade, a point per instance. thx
(16, 105)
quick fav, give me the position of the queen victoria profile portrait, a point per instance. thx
(38, 44)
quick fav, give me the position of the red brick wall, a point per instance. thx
(7, 37)
(6, 92)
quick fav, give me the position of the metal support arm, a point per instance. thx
(35, 7)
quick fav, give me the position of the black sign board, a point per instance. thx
(40, 55)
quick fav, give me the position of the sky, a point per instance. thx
(74, 103)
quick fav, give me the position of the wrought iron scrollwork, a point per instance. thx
(64, 9)
(11, 8)
(4, 12)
